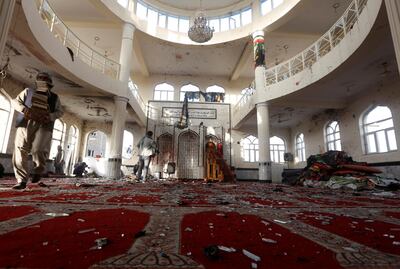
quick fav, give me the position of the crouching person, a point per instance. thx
(38, 108)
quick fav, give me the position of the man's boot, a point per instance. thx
(19, 186)
(36, 178)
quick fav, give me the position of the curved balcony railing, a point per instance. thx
(246, 96)
(76, 47)
(320, 48)
(308, 57)
(135, 91)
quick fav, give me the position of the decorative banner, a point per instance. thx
(194, 113)
(259, 49)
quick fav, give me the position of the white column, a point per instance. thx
(393, 11)
(125, 58)
(6, 13)
(256, 10)
(264, 165)
(264, 162)
(117, 134)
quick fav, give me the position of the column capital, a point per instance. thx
(257, 33)
(130, 25)
(263, 104)
(121, 99)
(128, 30)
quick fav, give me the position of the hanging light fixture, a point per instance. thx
(200, 32)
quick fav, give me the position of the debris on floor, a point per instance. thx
(337, 170)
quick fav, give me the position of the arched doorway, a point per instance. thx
(70, 152)
(127, 145)
(165, 146)
(188, 155)
(96, 144)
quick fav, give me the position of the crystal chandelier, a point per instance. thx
(200, 32)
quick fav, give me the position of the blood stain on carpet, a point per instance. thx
(69, 242)
(203, 229)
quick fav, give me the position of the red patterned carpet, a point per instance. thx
(96, 223)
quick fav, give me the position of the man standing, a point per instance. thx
(38, 109)
(59, 161)
(147, 149)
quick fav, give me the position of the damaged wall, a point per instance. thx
(349, 122)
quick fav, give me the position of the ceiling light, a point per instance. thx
(200, 32)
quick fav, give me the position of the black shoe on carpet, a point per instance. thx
(36, 178)
(19, 186)
(41, 184)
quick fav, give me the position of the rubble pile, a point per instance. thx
(337, 170)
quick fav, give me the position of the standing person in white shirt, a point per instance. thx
(147, 149)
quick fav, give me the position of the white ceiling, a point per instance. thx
(78, 10)
(315, 16)
(167, 58)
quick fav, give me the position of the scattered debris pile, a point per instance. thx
(336, 170)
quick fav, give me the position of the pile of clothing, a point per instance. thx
(337, 170)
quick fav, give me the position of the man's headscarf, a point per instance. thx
(43, 80)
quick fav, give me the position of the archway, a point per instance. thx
(188, 155)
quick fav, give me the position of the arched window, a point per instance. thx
(268, 5)
(127, 145)
(164, 92)
(379, 135)
(300, 148)
(332, 136)
(215, 94)
(96, 144)
(277, 149)
(195, 97)
(5, 122)
(250, 149)
(58, 137)
(215, 88)
(70, 152)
